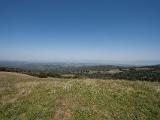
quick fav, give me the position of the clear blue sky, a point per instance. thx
(80, 30)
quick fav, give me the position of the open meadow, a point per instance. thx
(24, 97)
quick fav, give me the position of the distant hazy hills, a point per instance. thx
(59, 65)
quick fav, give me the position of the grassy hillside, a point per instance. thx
(24, 97)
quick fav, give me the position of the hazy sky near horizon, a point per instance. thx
(70, 30)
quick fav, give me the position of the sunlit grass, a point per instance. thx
(23, 97)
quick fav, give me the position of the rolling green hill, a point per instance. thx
(23, 97)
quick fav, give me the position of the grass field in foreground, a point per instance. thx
(24, 97)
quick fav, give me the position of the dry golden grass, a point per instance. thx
(30, 98)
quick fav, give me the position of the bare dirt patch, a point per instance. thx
(62, 112)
